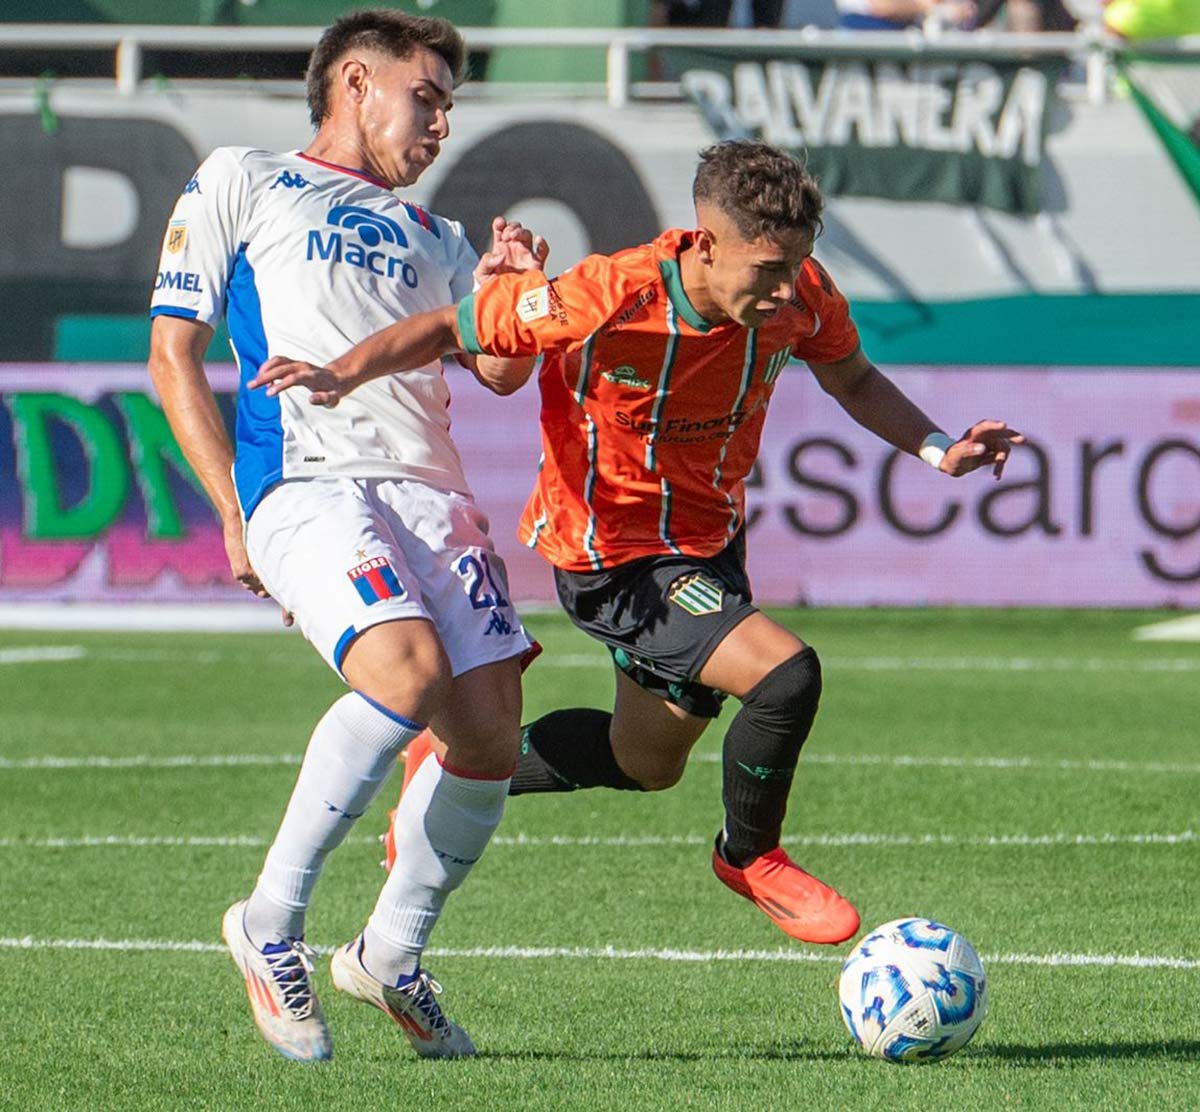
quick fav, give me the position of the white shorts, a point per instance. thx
(345, 554)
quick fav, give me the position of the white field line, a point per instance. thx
(113, 617)
(539, 841)
(994, 764)
(1001, 764)
(608, 953)
(42, 654)
(144, 760)
(947, 663)
(1031, 664)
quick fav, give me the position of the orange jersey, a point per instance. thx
(651, 417)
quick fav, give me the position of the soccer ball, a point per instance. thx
(913, 991)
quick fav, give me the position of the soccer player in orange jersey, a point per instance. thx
(660, 362)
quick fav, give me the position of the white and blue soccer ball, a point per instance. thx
(913, 991)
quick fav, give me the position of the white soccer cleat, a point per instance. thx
(279, 985)
(414, 1007)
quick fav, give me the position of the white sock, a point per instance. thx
(442, 827)
(352, 751)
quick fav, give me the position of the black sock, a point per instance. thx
(760, 754)
(568, 749)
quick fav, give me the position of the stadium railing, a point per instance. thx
(1090, 46)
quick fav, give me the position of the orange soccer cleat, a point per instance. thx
(797, 903)
(414, 755)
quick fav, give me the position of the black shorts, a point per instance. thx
(662, 617)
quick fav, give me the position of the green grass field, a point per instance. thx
(1030, 778)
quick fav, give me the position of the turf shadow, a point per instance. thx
(788, 1052)
(1172, 1050)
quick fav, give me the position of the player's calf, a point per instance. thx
(760, 754)
(567, 750)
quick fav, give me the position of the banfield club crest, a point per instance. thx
(375, 580)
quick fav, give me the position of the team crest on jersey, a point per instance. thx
(776, 364)
(697, 594)
(176, 236)
(534, 305)
(625, 375)
(375, 579)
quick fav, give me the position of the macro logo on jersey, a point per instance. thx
(373, 227)
(625, 375)
(776, 364)
(357, 239)
(375, 579)
(176, 236)
(697, 594)
(290, 181)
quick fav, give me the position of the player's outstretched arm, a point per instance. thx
(877, 404)
(402, 346)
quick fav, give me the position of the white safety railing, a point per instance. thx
(1089, 44)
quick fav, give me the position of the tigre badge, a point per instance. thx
(697, 594)
(176, 236)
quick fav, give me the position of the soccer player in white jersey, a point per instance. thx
(357, 520)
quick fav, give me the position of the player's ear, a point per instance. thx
(352, 75)
(704, 241)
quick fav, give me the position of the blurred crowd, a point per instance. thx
(1133, 19)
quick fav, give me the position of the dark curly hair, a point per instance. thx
(764, 190)
(394, 33)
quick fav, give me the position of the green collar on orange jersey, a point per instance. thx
(673, 280)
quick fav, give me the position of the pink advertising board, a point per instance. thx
(1102, 509)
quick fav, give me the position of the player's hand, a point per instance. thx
(239, 565)
(515, 249)
(984, 443)
(280, 373)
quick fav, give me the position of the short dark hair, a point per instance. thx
(397, 34)
(764, 190)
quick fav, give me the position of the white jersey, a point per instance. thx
(306, 259)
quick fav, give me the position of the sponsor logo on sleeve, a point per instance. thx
(186, 280)
(176, 236)
(534, 305)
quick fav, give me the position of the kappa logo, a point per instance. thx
(176, 236)
(291, 181)
(697, 594)
(625, 375)
(192, 186)
(534, 305)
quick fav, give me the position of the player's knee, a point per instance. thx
(785, 700)
(658, 779)
(402, 667)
